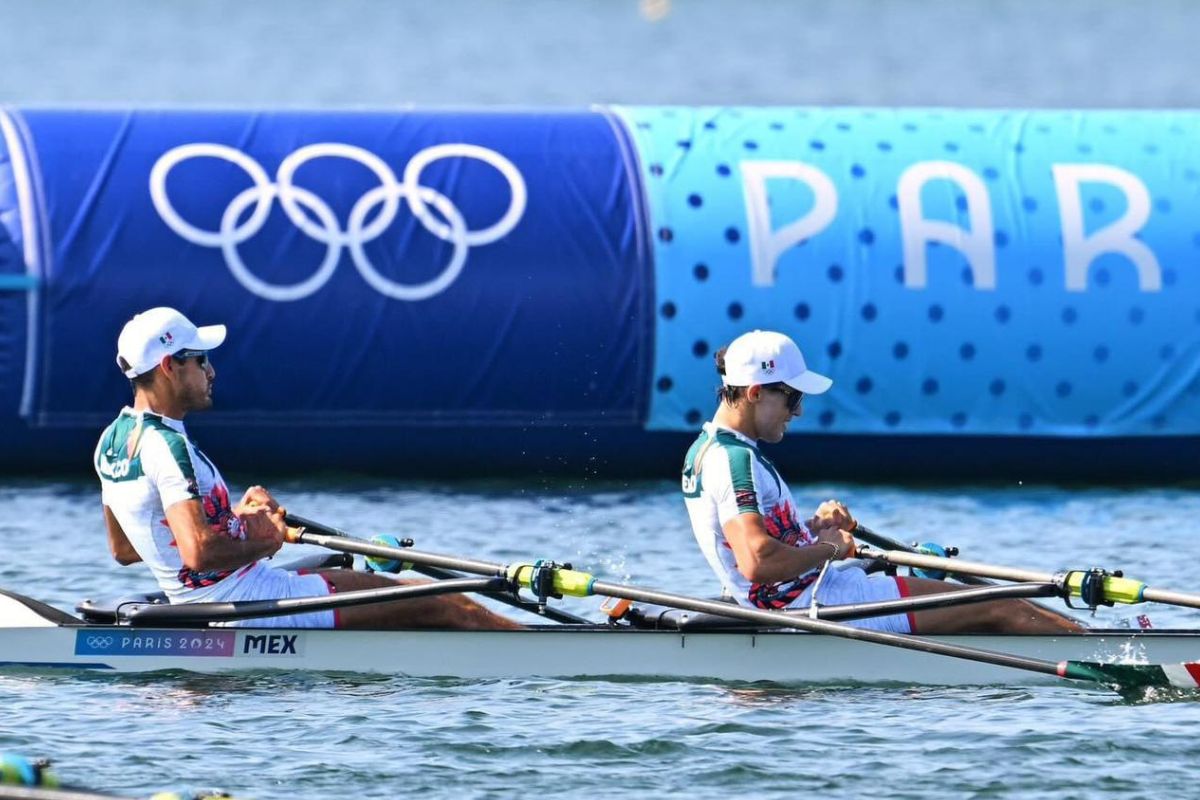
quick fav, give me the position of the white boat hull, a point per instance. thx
(34, 636)
(782, 657)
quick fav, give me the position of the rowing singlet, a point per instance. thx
(724, 475)
(146, 464)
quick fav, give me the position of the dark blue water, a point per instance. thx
(320, 736)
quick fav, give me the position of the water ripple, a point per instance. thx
(315, 736)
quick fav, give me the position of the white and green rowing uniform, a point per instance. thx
(146, 464)
(724, 475)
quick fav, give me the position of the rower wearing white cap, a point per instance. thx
(166, 504)
(744, 518)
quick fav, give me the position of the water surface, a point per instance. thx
(316, 736)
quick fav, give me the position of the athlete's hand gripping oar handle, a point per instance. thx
(580, 584)
(1113, 588)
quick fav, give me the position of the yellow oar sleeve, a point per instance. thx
(567, 582)
(1117, 590)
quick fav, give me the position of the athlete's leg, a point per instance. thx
(441, 611)
(995, 616)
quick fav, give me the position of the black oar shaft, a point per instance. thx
(766, 618)
(313, 531)
(203, 613)
(363, 547)
(879, 540)
(948, 599)
(582, 584)
(774, 619)
(887, 543)
(1145, 594)
(508, 599)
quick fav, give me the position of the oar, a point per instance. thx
(432, 571)
(204, 613)
(22, 779)
(549, 579)
(1110, 588)
(23, 793)
(887, 543)
(38, 793)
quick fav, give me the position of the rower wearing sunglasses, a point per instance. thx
(166, 504)
(745, 520)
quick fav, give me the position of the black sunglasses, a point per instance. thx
(793, 397)
(201, 357)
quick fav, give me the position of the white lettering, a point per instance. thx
(114, 469)
(767, 245)
(1080, 249)
(917, 231)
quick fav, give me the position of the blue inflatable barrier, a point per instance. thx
(473, 291)
(374, 269)
(954, 272)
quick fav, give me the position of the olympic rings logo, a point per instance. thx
(294, 200)
(99, 642)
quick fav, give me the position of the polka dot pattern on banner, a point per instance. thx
(991, 330)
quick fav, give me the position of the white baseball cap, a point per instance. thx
(767, 357)
(159, 332)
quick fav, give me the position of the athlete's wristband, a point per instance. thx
(837, 550)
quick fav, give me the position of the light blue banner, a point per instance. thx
(977, 272)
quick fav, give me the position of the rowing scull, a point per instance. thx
(34, 637)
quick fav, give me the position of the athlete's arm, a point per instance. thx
(118, 542)
(203, 549)
(764, 559)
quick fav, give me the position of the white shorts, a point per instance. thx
(272, 583)
(851, 585)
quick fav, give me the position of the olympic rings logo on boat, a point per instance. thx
(295, 200)
(99, 642)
